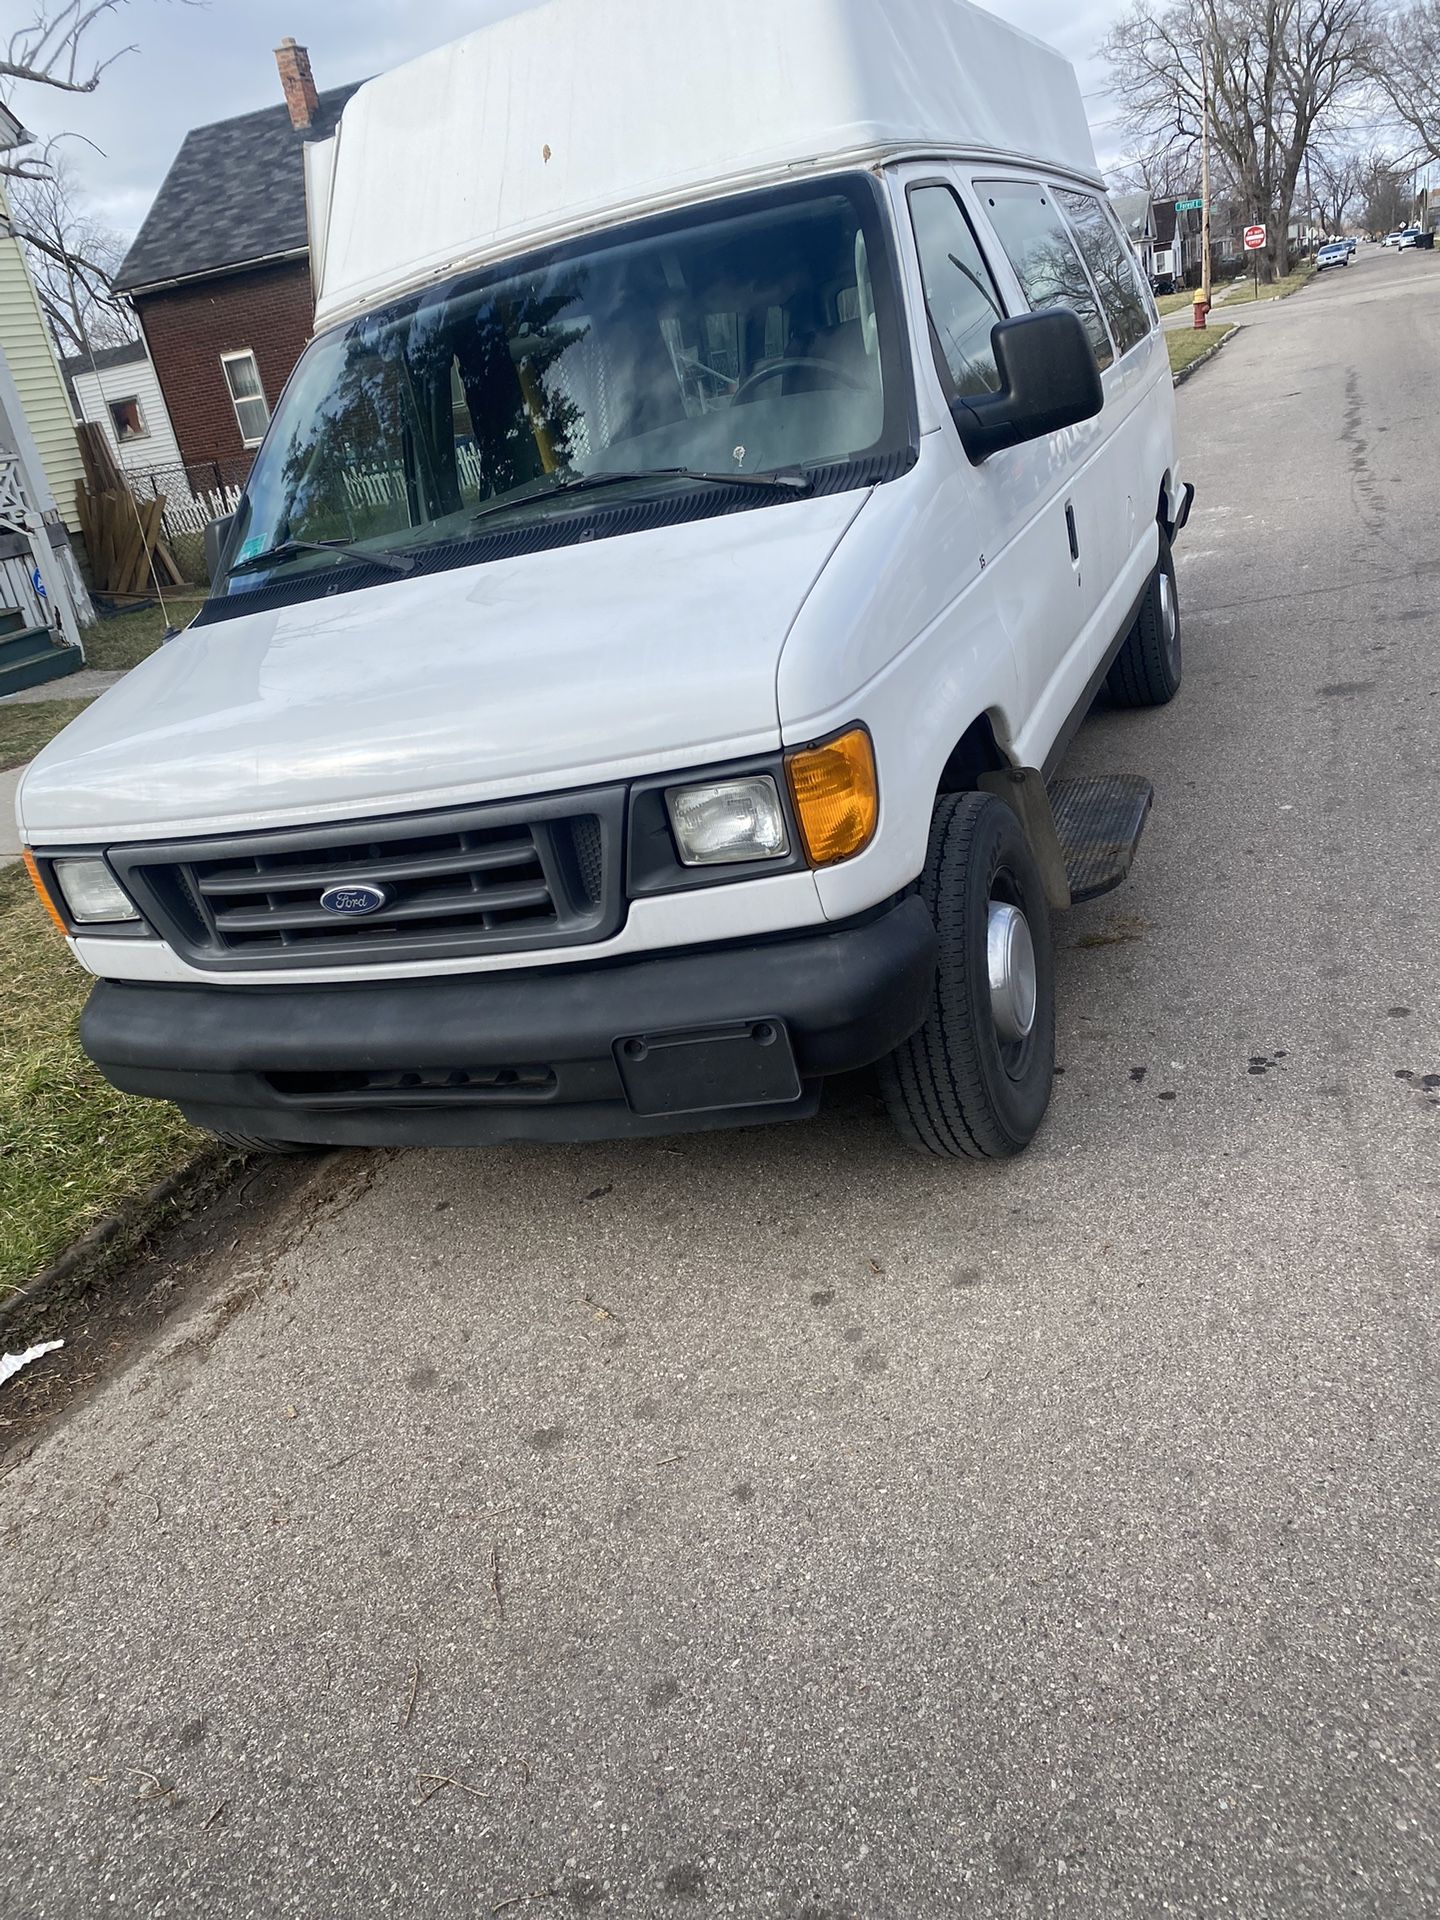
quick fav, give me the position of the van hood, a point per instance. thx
(587, 663)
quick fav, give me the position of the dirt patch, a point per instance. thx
(215, 1248)
(1119, 931)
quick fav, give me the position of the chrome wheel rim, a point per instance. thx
(1014, 987)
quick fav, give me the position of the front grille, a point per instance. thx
(486, 879)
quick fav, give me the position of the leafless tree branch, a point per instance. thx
(1407, 71)
(1279, 71)
(73, 259)
(51, 52)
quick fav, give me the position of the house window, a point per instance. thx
(127, 419)
(247, 396)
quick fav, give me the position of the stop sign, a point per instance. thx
(1254, 239)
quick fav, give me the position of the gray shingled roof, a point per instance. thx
(235, 193)
(103, 357)
(1134, 211)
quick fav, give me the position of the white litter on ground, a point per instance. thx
(11, 1363)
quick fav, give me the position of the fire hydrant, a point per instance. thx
(1202, 307)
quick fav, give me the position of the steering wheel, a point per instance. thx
(794, 364)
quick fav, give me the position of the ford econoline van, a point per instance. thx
(736, 446)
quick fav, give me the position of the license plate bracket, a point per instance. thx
(740, 1063)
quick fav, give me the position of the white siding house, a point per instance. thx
(42, 595)
(121, 394)
(37, 373)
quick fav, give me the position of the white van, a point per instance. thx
(736, 447)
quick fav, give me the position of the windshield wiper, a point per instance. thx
(785, 480)
(286, 549)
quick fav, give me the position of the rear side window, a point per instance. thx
(960, 296)
(1043, 255)
(1112, 267)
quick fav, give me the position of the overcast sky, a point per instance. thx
(200, 62)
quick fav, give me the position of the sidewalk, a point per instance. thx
(1186, 318)
(87, 684)
(9, 838)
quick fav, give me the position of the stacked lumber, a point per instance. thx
(124, 536)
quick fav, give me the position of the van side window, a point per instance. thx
(1112, 267)
(960, 296)
(1043, 255)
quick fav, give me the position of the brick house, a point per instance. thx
(219, 274)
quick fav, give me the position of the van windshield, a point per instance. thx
(750, 337)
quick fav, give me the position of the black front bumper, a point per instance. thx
(548, 1053)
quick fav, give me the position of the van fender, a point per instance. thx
(1024, 791)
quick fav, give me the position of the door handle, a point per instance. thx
(1074, 537)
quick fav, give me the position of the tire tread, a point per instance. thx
(1140, 675)
(934, 1083)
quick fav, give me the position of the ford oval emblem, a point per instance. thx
(354, 900)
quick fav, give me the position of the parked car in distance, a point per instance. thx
(1335, 253)
(1393, 239)
(1409, 238)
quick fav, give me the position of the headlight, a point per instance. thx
(730, 821)
(92, 893)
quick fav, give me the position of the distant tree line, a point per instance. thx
(1293, 86)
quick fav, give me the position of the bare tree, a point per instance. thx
(73, 259)
(1164, 172)
(1408, 71)
(1334, 176)
(1278, 70)
(1385, 192)
(52, 51)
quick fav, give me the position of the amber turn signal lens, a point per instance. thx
(836, 797)
(40, 888)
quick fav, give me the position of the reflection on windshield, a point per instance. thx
(742, 339)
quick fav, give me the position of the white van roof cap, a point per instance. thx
(560, 112)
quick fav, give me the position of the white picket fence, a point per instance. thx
(372, 485)
(377, 484)
(194, 514)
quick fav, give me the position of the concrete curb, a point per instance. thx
(132, 1219)
(1179, 379)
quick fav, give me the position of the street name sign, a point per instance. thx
(1189, 206)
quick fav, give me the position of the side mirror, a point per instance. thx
(1048, 380)
(217, 533)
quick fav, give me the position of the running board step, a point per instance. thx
(1099, 823)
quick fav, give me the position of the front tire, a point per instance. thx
(1147, 669)
(975, 1081)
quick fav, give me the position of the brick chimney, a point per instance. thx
(298, 81)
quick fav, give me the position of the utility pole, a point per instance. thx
(1309, 198)
(1205, 182)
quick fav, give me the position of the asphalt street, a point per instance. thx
(777, 1524)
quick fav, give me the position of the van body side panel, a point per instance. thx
(1108, 472)
(1020, 496)
(900, 631)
